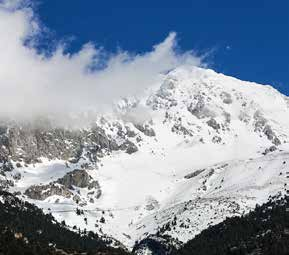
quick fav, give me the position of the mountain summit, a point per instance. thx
(195, 148)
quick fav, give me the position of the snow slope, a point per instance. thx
(213, 146)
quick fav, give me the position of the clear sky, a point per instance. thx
(248, 39)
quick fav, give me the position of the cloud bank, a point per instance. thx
(34, 84)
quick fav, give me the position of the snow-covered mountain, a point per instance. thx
(196, 148)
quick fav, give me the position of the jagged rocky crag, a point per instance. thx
(194, 149)
(64, 187)
(28, 143)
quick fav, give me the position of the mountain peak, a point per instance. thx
(197, 145)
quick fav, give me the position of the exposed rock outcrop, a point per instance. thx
(226, 97)
(64, 187)
(194, 174)
(29, 142)
(41, 192)
(129, 147)
(151, 203)
(146, 129)
(270, 149)
(213, 124)
(199, 109)
(261, 125)
(77, 177)
(180, 129)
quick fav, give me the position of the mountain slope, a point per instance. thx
(262, 231)
(195, 148)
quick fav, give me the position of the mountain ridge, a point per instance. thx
(198, 146)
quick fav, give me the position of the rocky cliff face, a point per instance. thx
(23, 144)
(27, 144)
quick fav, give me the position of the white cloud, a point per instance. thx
(33, 84)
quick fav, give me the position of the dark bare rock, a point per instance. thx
(130, 133)
(146, 129)
(199, 109)
(41, 192)
(262, 126)
(270, 149)
(77, 177)
(194, 174)
(213, 124)
(64, 187)
(29, 142)
(226, 97)
(95, 186)
(129, 147)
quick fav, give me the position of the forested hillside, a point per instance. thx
(25, 229)
(263, 231)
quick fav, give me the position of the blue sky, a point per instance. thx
(246, 39)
